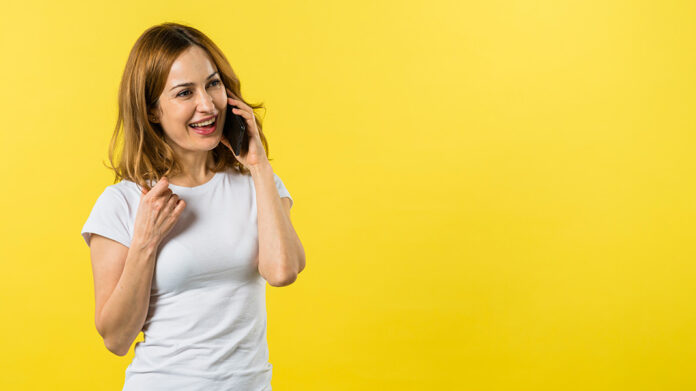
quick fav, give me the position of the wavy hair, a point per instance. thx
(145, 157)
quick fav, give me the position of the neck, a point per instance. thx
(196, 169)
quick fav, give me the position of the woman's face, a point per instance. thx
(202, 98)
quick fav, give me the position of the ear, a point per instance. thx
(153, 118)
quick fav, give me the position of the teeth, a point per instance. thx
(206, 123)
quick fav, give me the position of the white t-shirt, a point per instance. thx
(206, 324)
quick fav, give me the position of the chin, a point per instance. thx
(211, 144)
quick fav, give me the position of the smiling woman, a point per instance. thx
(187, 112)
(175, 77)
(183, 245)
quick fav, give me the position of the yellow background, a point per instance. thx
(493, 195)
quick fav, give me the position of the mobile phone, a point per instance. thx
(235, 131)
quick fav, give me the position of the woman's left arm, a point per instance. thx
(281, 254)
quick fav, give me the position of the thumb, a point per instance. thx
(163, 182)
(144, 190)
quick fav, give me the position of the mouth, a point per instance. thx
(204, 130)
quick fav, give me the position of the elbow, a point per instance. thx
(286, 278)
(113, 346)
(283, 280)
(120, 353)
(285, 275)
(119, 350)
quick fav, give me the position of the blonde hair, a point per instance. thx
(145, 156)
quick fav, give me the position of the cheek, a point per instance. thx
(178, 112)
(221, 103)
(183, 115)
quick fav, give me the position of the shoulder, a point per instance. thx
(122, 188)
(125, 192)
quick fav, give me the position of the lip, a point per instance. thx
(201, 120)
(206, 130)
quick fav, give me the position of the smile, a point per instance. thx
(203, 130)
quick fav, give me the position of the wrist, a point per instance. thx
(260, 168)
(143, 246)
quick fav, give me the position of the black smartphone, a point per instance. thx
(236, 132)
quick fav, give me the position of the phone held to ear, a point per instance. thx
(235, 132)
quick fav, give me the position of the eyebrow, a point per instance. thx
(190, 84)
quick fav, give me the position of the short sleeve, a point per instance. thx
(109, 218)
(282, 191)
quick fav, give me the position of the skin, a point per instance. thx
(281, 255)
(123, 277)
(180, 106)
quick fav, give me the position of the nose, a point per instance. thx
(205, 102)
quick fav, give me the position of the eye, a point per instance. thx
(218, 81)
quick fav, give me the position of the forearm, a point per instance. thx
(281, 255)
(123, 315)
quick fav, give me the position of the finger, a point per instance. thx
(238, 103)
(160, 205)
(167, 195)
(241, 112)
(160, 188)
(180, 206)
(144, 189)
(178, 210)
(171, 204)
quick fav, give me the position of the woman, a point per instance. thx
(183, 244)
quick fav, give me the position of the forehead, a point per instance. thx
(192, 65)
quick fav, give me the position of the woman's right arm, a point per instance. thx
(123, 275)
(122, 282)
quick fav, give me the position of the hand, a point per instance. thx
(256, 155)
(158, 212)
